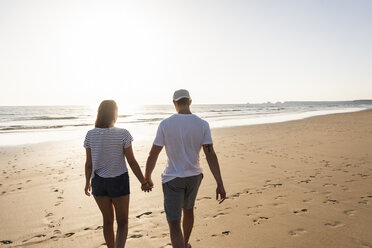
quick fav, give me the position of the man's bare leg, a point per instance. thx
(187, 225)
(176, 234)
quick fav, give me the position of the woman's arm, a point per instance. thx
(88, 171)
(134, 165)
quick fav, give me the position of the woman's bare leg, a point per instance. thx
(105, 205)
(121, 205)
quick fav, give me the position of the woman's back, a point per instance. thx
(107, 146)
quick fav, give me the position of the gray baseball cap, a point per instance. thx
(179, 94)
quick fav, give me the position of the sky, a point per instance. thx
(75, 52)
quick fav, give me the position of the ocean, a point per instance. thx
(34, 124)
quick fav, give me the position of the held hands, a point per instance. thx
(148, 185)
(220, 191)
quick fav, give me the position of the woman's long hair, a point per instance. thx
(106, 115)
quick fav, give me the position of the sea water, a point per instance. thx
(34, 124)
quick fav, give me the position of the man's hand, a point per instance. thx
(149, 181)
(87, 189)
(146, 187)
(220, 191)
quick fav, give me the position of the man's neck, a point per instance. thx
(184, 111)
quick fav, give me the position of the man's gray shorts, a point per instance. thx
(180, 193)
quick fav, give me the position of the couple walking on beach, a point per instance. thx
(183, 135)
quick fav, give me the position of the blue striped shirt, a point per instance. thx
(107, 146)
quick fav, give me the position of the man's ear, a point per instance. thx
(190, 102)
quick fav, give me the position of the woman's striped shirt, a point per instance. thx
(106, 146)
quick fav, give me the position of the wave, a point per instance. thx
(29, 127)
(142, 120)
(19, 127)
(226, 110)
(47, 118)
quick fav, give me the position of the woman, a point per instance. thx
(106, 146)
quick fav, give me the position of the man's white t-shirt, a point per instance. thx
(183, 136)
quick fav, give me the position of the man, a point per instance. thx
(183, 134)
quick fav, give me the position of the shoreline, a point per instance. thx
(305, 183)
(148, 138)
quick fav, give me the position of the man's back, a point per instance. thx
(182, 135)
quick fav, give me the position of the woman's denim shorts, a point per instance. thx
(112, 187)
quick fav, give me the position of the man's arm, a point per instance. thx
(88, 171)
(215, 169)
(151, 162)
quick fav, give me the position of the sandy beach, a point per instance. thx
(305, 183)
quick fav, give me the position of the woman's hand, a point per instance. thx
(87, 189)
(146, 187)
(149, 181)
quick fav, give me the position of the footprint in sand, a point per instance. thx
(69, 234)
(334, 224)
(350, 181)
(329, 184)
(365, 199)
(146, 213)
(305, 181)
(279, 196)
(277, 204)
(48, 215)
(218, 215)
(350, 212)
(234, 196)
(331, 201)
(274, 185)
(169, 245)
(363, 202)
(204, 198)
(34, 237)
(297, 232)
(6, 242)
(304, 210)
(260, 219)
(40, 236)
(136, 236)
(365, 245)
(224, 233)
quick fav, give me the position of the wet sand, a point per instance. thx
(304, 183)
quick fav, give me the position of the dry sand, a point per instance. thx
(304, 183)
